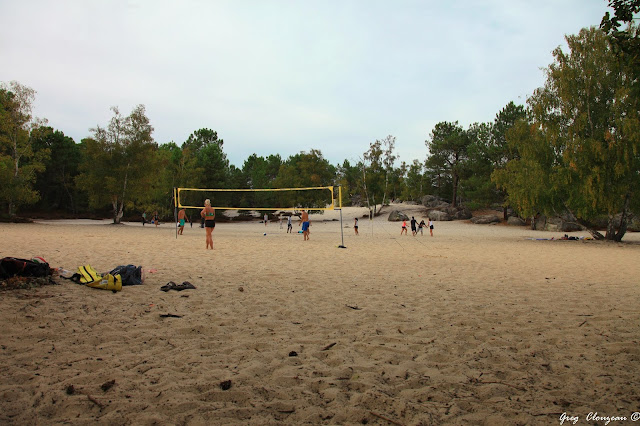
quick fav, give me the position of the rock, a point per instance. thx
(570, 227)
(515, 221)
(433, 202)
(485, 219)
(438, 215)
(557, 224)
(397, 216)
(462, 213)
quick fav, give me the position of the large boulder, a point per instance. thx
(485, 219)
(397, 216)
(438, 215)
(571, 227)
(433, 202)
(436, 207)
(515, 221)
(459, 213)
(634, 224)
(565, 223)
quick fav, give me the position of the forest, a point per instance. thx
(574, 149)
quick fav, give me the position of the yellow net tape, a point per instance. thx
(330, 188)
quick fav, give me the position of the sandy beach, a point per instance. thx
(479, 324)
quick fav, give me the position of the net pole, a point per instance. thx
(340, 208)
(175, 210)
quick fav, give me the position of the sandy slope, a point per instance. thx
(476, 325)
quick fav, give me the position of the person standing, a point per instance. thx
(182, 216)
(289, 226)
(305, 222)
(404, 228)
(421, 226)
(355, 226)
(414, 222)
(144, 218)
(266, 219)
(209, 216)
(156, 218)
(430, 226)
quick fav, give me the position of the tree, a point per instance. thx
(18, 161)
(377, 171)
(488, 150)
(304, 170)
(475, 177)
(415, 184)
(348, 177)
(55, 183)
(447, 154)
(120, 164)
(585, 121)
(210, 159)
(626, 41)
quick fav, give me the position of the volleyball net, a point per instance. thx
(312, 198)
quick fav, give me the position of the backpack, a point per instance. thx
(88, 276)
(108, 282)
(15, 267)
(131, 274)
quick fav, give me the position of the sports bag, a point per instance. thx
(16, 267)
(131, 274)
(88, 276)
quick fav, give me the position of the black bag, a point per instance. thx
(131, 274)
(14, 267)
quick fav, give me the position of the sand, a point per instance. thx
(478, 324)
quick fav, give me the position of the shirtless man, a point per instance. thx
(182, 216)
(304, 221)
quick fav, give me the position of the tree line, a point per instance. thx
(574, 148)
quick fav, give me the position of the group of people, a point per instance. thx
(290, 226)
(155, 220)
(417, 227)
(208, 214)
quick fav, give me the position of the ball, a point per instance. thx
(264, 234)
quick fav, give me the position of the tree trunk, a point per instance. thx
(454, 202)
(114, 203)
(617, 236)
(595, 234)
(505, 216)
(119, 209)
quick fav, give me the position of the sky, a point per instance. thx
(285, 76)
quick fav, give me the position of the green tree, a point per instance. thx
(626, 42)
(447, 155)
(586, 121)
(377, 172)
(19, 163)
(475, 185)
(120, 162)
(347, 177)
(305, 170)
(56, 182)
(210, 159)
(415, 183)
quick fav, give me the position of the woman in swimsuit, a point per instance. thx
(209, 216)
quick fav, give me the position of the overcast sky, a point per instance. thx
(284, 76)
